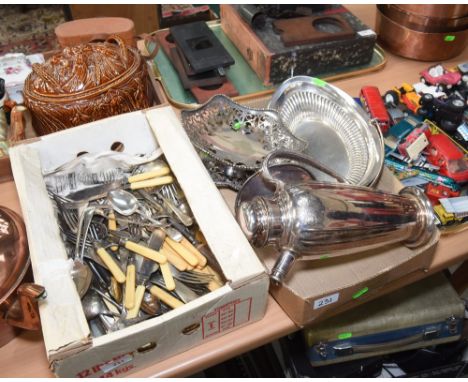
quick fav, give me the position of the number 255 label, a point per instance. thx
(327, 300)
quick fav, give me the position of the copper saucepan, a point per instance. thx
(423, 23)
(18, 299)
(418, 45)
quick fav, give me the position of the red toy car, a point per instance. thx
(442, 152)
(438, 75)
(372, 101)
(405, 149)
(437, 191)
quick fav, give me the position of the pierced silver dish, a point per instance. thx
(235, 135)
(339, 133)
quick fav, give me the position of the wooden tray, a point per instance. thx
(241, 74)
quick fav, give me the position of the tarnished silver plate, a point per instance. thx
(339, 133)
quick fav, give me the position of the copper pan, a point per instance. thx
(442, 11)
(423, 23)
(417, 45)
(18, 298)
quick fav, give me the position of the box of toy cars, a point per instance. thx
(72, 349)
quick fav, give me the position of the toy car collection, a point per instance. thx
(426, 143)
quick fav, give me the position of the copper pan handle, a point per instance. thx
(24, 312)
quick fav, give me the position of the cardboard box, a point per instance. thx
(273, 61)
(315, 290)
(70, 349)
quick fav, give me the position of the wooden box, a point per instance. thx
(273, 61)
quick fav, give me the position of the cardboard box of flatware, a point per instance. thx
(71, 350)
(316, 290)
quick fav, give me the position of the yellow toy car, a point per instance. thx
(444, 216)
(404, 94)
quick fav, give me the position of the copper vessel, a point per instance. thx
(423, 23)
(436, 11)
(418, 45)
(84, 83)
(18, 299)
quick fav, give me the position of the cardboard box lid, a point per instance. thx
(313, 279)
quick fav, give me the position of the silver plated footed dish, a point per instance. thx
(339, 133)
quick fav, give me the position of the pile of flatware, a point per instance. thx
(136, 249)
